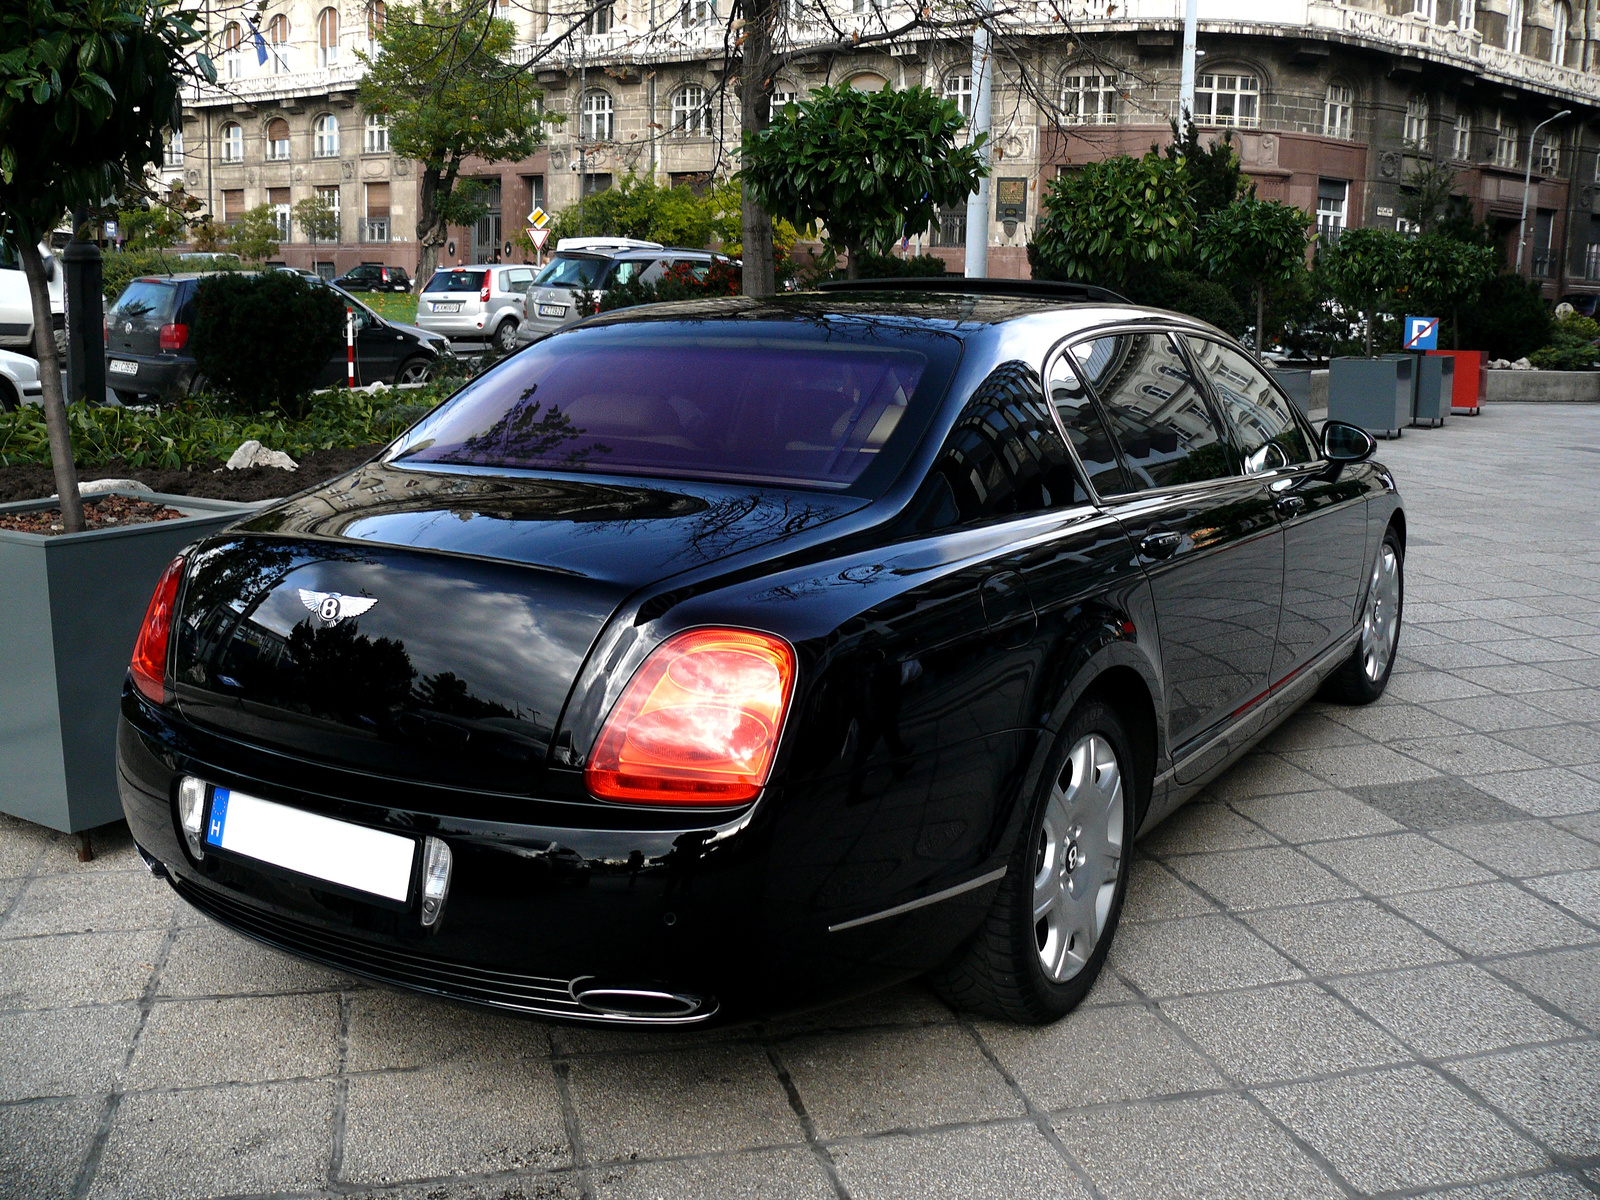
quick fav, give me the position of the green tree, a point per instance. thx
(1113, 220)
(317, 219)
(1216, 179)
(1258, 243)
(1365, 268)
(1426, 196)
(441, 75)
(638, 207)
(232, 311)
(88, 91)
(866, 164)
(254, 237)
(1447, 274)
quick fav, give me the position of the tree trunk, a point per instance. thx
(1367, 318)
(755, 107)
(852, 268)
(55, 406)
(430, 229)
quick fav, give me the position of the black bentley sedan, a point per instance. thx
(713, 657)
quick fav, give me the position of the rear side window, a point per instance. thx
(1157, 412)
(646, 269)
(779, 410)
(456, 281)
(1085, 429)
(148, 299)
(1264, 429)
(572, 271)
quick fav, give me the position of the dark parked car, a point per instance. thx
(147, 339)
(375, 277)
(712, 657)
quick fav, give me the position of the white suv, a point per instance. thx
(16, 306)
(592, 265)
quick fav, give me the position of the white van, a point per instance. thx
(16, 307)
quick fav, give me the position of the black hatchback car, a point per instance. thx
(147, 338)
(375, 277)
(711, 657)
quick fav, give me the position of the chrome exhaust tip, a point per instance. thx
(641, 1005)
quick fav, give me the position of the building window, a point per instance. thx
(232, 204)
(328, 38)
(174, 152)
(1333, 197)
(232, 59)
(698, 12)
(278, 198)
(375, 225)
(232, 143)
(325, 136)
(865, 6)
(330, 197)
(1463, 146)
(1416, 132)
(375, 136)
(278, 43)
(1338, 112)
(377, 17)
(596, 123)
(1228, 100)
(1088, 100)
(1550, 154)
(600, 20)
(1558, 33)
(1514, 27)
(1505, 140)
(1466, 15)
(278, 140)
(690, 115)
(958, 87)
(784, 96)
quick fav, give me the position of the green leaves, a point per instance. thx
(1253, 241)
(1109, 219)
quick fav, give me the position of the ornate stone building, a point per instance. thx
(1335, 106)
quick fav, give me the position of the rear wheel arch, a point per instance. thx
(1398, 523)
(1125, 691)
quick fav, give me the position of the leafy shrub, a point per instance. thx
(1191, 295)
(1572, 348)
(238, 337)
(887, 266)
(1509, 320)
(119, 268)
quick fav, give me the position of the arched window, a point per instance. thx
(278, 43)
(1338, 112)
(1089, 98)
(232, 59)
(690, 115)
(377, 14)
(596, 123)
(784, 93)
(328, 38)
(325, 136)
(278, 140)
(1558, 33)
(232, 143)
(958, 87)
(1228, 98)
(868, 81)
(375, 137)
(1416, 130)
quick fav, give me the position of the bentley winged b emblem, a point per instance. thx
(332, 606)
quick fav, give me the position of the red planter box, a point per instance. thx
(1471, 378)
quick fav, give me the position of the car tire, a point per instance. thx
(198, 383)
(1365, 675)
(1031, 968)
(505, 337)
(416, 369)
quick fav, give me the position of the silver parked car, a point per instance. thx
(484, 302)
(592, 265)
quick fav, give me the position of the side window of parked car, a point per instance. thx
(1264, 429)
(1004, 455)
(1157, 412)
(1085, 429)
(519, 281)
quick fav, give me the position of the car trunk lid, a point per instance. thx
(133, 326)
(455, 291)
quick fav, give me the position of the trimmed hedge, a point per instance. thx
(234, 345)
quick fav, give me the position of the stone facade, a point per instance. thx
(1334, 106)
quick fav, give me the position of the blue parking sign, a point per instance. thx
(1422, 333)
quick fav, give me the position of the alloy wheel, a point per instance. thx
(1079, 858)
(415, 371)
(1380, 625)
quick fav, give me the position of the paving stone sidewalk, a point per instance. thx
(1367, 963)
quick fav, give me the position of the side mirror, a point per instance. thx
(1343, 443)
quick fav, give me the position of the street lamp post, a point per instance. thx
(1527, 182)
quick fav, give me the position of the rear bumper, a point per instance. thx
(155, 375)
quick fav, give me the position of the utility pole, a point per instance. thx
(1527, 181)
(1191, 23)
(86, 350)
(982, 89)
(583, 117)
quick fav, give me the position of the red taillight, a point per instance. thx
(105, 330)
(483, 292)
(149, 665)
(174, 337)
(699, 723)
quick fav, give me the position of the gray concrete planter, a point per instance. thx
(1436, 380)
(1374, 393)
(70, 609)
(1542, 387)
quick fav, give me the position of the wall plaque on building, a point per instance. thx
(1011, 199)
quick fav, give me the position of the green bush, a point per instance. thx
(887, 266)
(1509, 320)
(202, 428)
(1572, 348)
(263, 339)
(119, 268)
(1191, 295)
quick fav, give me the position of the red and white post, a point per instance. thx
(350, 346)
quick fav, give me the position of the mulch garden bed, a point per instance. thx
(29, 482)
(105, 512)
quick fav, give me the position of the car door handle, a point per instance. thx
(1162, 544)
(1288, 506)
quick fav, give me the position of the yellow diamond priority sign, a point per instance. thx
(538, 218)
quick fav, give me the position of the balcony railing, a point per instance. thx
(1544, 265)
(950, 229)
(373, 229)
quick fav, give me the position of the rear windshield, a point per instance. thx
(147, 298)
(566, 270)
(456, 281)
(789, 408)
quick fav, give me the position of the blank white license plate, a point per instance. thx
(552, 310)
(121, 366)
(368, 860)
(447, 307)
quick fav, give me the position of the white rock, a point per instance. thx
(96, 487)
(1499, 364)
(253, 454)
(1522, 364)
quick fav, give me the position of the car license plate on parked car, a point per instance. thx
(456, 307)
(368, 860)
(552, 310)
(121, 366)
